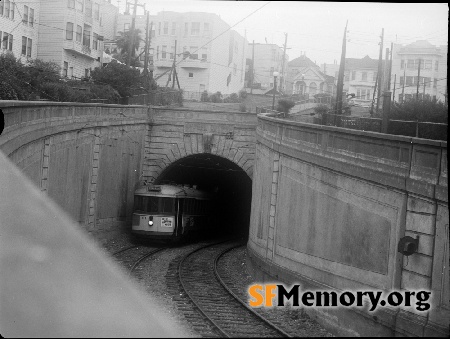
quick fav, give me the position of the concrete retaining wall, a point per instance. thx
(329, 207)
(86, 157)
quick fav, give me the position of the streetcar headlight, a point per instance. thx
(150, 222)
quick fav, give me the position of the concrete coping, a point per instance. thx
(16, 103)
(369, 134)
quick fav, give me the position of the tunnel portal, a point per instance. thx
(232, 185)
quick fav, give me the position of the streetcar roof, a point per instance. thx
(172, 191)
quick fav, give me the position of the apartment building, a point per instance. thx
(304, 77)
(433, 71)
(71, 33)
(268, 58)
(19, 26)
(206, 59)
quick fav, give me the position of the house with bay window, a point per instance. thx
(19, 28)
(202, 62)
(432, 61)
(71, 33)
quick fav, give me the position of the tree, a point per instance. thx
(123, 43)
(284, 105)
(122, 78)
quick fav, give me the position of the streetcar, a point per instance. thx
(171, 212)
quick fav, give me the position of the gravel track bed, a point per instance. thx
(233, 270)
(157, 276)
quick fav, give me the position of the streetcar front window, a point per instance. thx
(154, 204)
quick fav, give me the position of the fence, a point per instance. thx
(425, 130)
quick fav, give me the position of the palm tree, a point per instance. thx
(123, 43)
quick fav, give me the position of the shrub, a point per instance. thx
(216, 97)
(242, 107)
(7, 92)
(242, 94)
(320, 109)
(204, 97)
(284, 105)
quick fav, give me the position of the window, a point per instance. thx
(402, 64)
(151, 53)
(206, 28)
(426, 81)
(65, 68)
(159, 28)
(11, 11)
(195, 28)
(71, 3)
(29, 44)
(347, 76)
(172, 52)
(153, 31)
(79, 33)
(411, 64)
(234, 69)
(126, 27)
(428, 64)
(186, 28)
(96, 11)
(89, 8)
(364, 76)
(174, 28)
(80, 5)
(353, 75)
(166, 28)
(31, 18)
(435, 83)
(191, 75)
(193, 51)
(4, 42)
(71, 72)
(163, 52)
(86, 72)
(401, 81)
(24, 45)
(157, 52)
(7, 6)
(87, 36)
(409, 80)
(375, 74)
(436, 65)
(69, 31)
(10, 41)
(25, 15)
(95, 41)
(2, 5)
(204, 53)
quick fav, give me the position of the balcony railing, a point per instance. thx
(79, 48)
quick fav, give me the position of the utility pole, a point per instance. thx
(393, 93)
(174, 68)
(418, 80)
(146, 46)
(282, 65)
(133, 23)
(253, 67)
(423, 94)
(373, 96)
(390, 68)
(404, 80)
(340, 84)
(380, 70)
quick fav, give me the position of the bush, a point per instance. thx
(320, 109)
(242, 107)
(216, 97)
(242, 94)
(284, 105)
(204, 97)
(421, 110)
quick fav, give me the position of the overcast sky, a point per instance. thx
(317, 28)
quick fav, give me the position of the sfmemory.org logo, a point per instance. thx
(269, 295)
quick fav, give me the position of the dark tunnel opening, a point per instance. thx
(232, 184)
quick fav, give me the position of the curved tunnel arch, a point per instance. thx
(215, 173)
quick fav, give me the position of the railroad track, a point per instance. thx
(225, 314)
(130, 257)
